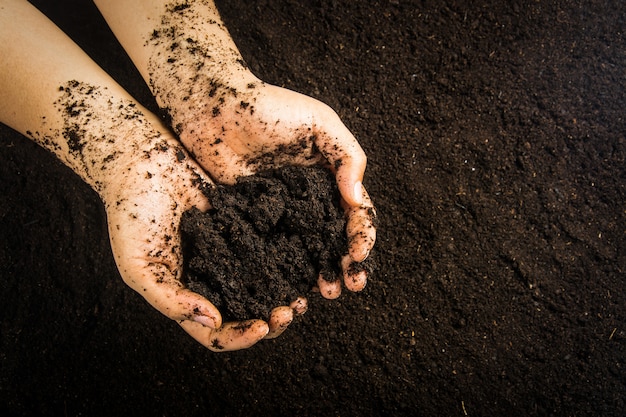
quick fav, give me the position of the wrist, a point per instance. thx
(191, 63)
(193, 95)
(102, 133)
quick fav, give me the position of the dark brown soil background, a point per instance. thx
(496, 140)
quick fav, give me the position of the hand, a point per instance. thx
(144, 204)
(256, 126)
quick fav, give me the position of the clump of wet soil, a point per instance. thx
(265, 241)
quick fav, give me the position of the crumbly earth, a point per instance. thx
(495, 136)
(265, 241)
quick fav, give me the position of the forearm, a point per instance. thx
(183, 51)
(55, 94)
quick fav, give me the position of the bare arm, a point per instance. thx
(184, 53)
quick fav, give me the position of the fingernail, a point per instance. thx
(299, 306)
(358, 192)
(205, 321)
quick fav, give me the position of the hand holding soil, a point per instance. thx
(284, 128)
(267, 240)
(144, 208)
(234, 124)
(144, 176)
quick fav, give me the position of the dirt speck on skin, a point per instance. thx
(265, 241)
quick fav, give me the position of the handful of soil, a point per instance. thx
(265, 240)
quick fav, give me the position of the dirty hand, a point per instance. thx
(144, 206)
(259, 126)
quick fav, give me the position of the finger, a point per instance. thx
(361, 229)
(349, 179)
(354, 278)
(229, 337)
(152, 269)
(280, 319)
(299, 305)
(329, 289)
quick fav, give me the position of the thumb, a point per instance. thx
(347, 160)
(349, 181)
(158, 284)
(147, 250)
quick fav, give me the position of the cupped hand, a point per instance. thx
(255, 126)
(144, 205)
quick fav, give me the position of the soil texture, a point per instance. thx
(265, 241)
(496, 143)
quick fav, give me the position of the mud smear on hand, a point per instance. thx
(265, 241)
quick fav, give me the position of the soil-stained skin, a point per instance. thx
(191, 70)
(114, 146)
(96, 132)
(207, 93)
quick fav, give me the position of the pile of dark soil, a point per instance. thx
(496, 142)
(265, 241)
